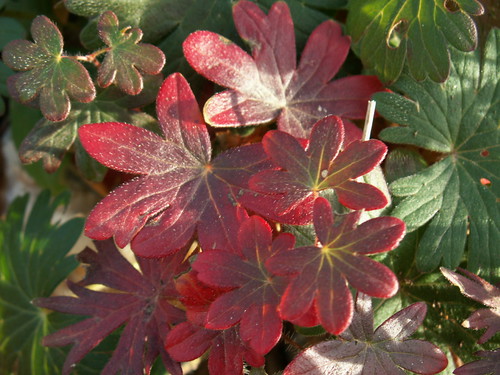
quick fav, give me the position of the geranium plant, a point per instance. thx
(250, 221)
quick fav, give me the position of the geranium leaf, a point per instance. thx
(253, 301)
(386, 33)
(320, 273)
(33, 262)
(181, 190)
(46, 73)
(143, 305)
(49, 141)
(302, 174)
(363, 351)
(126, 59)
(482, 291)
(458, 194)
(268, 85)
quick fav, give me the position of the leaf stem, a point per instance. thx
(91, 58)
(370, 114)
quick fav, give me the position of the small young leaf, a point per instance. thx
(46, 73)
(268, 85)
(126, 58)
(320, 273)
(142, 304)
(387, 350)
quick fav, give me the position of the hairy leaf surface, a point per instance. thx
(142, 303)
(45, 73)
(388, 33)
(321, 273)
(180, 190)
(361, 350)
(459, 193)
(269, 85)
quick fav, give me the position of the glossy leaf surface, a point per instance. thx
(142, 304)
(460, 192)
(386, 34)
(45, 73)
(126, 59)
(320, 273)
(180, 190)
(361, 350)
(253, 301)
(269, 85)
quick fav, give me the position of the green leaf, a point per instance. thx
(458, 195)
(126, 58)
(49, 141)
(32, 263)
(45, 73)
(387, 32)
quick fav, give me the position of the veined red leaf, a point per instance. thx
(253, 301)
(142, 304)
(180, 189)
(363, 351)
(320, 273)
(268, 85)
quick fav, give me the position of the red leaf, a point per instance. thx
(320, 273)
(180, 189)
(268, 85)
(304, 173)
(488, 364)
(256, 295)
(481, 291)
(142, 304)
(362, 351)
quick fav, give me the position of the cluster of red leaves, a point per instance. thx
(248, 278)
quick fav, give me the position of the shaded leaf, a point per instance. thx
(459, 193)
(489, 364)
(387, 350)
(482, 291)
(32, 264)
(388, 33)
(126, 59)
(142, 303)
(45, 73)
(268, 85)
(320, 273)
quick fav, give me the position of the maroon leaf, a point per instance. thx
(488, 364)
(268, 85)
(181, 188)
(304, 173)
(189, 340)
(142, 304)
(481, 291)
(256, 295)
(363, 351)
(320, 273)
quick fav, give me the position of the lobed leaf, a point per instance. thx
(143, 305)
(268, 85)
(459, 193)
(45, 73)
(386, 34)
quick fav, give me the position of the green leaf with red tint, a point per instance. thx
(189, 340)
(45, 72)
(324, 164)
(143, 304)
(320, 273)
(253, 301)
(482, 291)
(127, 59)
(180, 189)
(361, 350)
(268, 85)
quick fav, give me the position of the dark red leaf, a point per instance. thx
(363, 351)
(488, 364)
(180, 189)
(143, 305)
(268, 85)
(320, 273)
